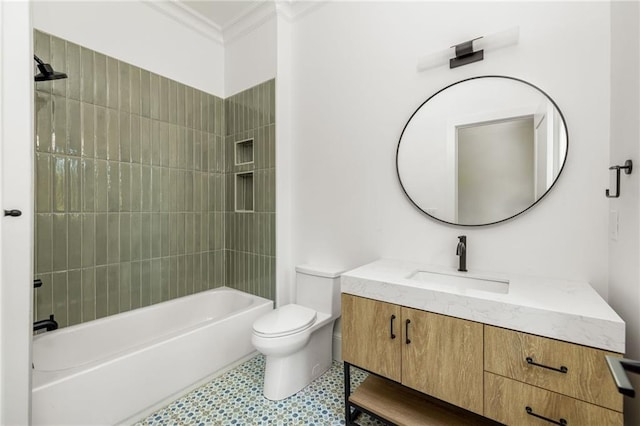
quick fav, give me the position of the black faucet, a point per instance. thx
(49, 324)
(461, 251)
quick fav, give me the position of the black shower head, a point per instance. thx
(47, 72)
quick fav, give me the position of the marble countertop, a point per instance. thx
(560, 309)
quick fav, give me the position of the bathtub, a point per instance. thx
(109, 370)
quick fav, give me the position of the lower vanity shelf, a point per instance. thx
(396, 404)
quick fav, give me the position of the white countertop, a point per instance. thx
(566, 310)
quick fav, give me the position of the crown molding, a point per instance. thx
(248, 21)
(291, 10)
(189, 18)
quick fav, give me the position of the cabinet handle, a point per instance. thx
(393, 336)
(13, 213)
(562, 368)
(406, 331)
(561, 422)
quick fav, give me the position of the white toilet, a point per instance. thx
(297, 338)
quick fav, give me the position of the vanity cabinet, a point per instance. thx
(507, 376)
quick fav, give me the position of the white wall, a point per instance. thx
(16, 189)
(624, 252)
(251, 58)
(354, 86)
(140, 34)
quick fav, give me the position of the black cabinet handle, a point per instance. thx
(13, 213)
(561, 422)
(406, 331)
(562, 368)
(37, 283)
(393, 336)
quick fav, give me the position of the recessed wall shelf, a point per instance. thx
(244, 152)
(244, 192)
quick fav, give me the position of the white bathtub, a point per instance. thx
(109, 370)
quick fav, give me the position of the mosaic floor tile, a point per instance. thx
(235, 398)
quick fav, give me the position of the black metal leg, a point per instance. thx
(347, 392)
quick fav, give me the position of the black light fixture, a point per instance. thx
(47, 72)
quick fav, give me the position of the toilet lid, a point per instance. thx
(285, 320)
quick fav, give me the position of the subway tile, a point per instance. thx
(188, 107)
(156, 143)
(181, 148)
(101, 239)
(154, 90)
(124, 86)
(164, 278)
(86, 70)
(74, 84)
(145, 283)
(100, 79)
(113, 135)
(59, 283)
(125, 237)
(75, 186)
(74, 128)
(125, 287)
(59, 136)
(145, 140)
(59, 184)
(197, 229)
(88, 295)
(125, 187)
(89, 185)
(164, 144)
(43, 305)
(42, 49)
(113, 292)
(74, 243)
(156, 185)
(165, 233)
(173, 277)
(197, 110)
(125, 137)
(156, 235)
(134, 75)
(189, 233)
(145, 94)
(145, 236)
(44, 243)
(190, 150)
(136, 187)
(135, 236)
(173, 146)
(59, 63)
(197, 273)
(44, 185)
(101, 132)
(88, 129)
(43, 118)
(172, 106)
(164, 99)
(135, 138)
(88, 240)
(113, 86)
(102, 291)
(180, 89)
(74, 297)
(113, 186)
(135, 281)
(113, 238)
(156, 281)
(146, 189)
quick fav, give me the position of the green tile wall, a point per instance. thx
(250, 236)
(130, 187)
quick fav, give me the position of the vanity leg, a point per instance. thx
(347, 392)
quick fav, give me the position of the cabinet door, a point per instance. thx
(367, 339)
(442, 356)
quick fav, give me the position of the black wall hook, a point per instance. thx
(628, 167)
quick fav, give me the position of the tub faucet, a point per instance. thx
(49, 324)
(461, 251)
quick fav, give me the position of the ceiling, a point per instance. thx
(222, 13)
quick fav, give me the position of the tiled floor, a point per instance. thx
(235, 398)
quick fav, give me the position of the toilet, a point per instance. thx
(296, 339)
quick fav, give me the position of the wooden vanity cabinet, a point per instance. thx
(507, 376)
(434, 354)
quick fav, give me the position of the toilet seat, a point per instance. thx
(284, 321)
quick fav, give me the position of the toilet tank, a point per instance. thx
(319, 288)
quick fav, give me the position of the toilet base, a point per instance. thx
(286, 375)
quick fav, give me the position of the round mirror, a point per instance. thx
(482, 150)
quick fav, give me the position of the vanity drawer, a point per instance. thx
(514, 403)
(577, 371)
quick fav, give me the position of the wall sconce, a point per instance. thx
(465, 53)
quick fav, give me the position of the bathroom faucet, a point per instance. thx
(49, 324)
(461, 251)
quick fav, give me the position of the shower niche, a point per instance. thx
(244, 192)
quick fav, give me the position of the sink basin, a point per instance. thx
(462, 282)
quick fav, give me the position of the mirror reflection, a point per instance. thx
(482, 150)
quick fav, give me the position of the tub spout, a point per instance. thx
(49, 324)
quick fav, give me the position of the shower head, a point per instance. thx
(47, 72)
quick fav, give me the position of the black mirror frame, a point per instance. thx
(564, 162)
